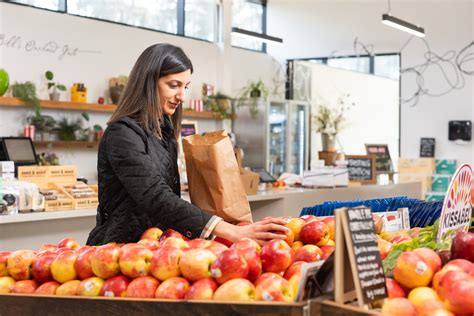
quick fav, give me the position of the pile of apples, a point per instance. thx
(167, 265)
(433, 289)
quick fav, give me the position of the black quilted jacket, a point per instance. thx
(139, 186)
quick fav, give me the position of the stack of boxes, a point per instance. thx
(440, 181)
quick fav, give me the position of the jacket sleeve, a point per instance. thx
(127, 155)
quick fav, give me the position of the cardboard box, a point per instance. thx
(251, 180)
(445, 166)
(62, 174)
(424, 179)
(440, 182)
(420, 165)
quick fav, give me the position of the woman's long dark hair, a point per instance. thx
(141, 99)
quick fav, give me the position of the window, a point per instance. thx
(387, 66)
(45, 4)
(360, 64)
(248, 15)
(200, 17)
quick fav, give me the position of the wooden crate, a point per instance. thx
(87, 202)
(62, 174)
(42, 175)
(60, 204)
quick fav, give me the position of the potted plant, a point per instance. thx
(27, 93)
(250, 94)
(88, 133)
(53, 86)
(116, 87)
(68, 129)
(44, 126)
(221, 104)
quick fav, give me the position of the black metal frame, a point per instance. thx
(263, 3)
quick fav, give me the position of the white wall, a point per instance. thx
(318, 28)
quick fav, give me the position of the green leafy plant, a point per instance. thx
(250, 94)
(48, 159)
(221, 104)
(27, 93)
(51, 84)
(42, 123)
(67, 128)
(330, 119)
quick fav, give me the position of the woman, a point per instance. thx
(137, 164)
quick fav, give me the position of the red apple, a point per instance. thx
(297, 245)
(254, 262)
(330, 223)
(245, 243)
(422, 296)
(216, 248)
(394, 289)
(199, 243)
(384, 247)
(174, 242)
(296, 224)
(153, 233)
(398, 306)
(461, 263)
(276, 256)
(171, 233)
(47, 288)
(430, 257)
(265, 276)
(149, 243)
(41, 268)
(6, 284)
(135, 262)
(143, 287)
(463, 246)
(3, 263)
(131, 245)
(229, 265)
(275, 289)
(412, 270)
(68, 289)
(25, 287)
(456, 289)
(165, 263)
(105, 261)
(309, 218)
(19, 264)
(327, 251)
(308, 253)
(223, 241)
(69, 242)
(90, 287)
(195, 264)
(115, 286)
(399, 239)
(235, 290)
(315, 232)
(293, 275)
(202, 290)
(83, 263)
(48, 247)
(173, 288)
(61, 250)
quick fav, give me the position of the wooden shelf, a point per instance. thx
(200, 115)
(67, 144)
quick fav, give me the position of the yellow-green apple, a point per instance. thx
(412, 270)
(216, 248)
(25, 286)
(165, 263)
(174, 242)
(143, 287)
(62, 267)
(297, 245)
(47, 247)
(252, 256)
(149, 243)
(153, 233)
(135, 262)
(202, 290)
(173, 288)
(3, 263)
(115, 286)
(430, 257)
(398, 306)
(229, 265)
(6, 284)
(195, 264)
(275, 289)
(199, 243)
(421, 295)
(384, 247)
(295, 224)
(330, 223)
(456, 289)
(308, 253)
(171, 233)
(276, 256)
(47, 288)
(315, 232)
(68, 289)
(90, 287)
(394, 289)
(327, 251)
(309, 218)
(293, 275)
(83, 263)
(235, 290)
(19, 264)
(69, 242)
(41, 268)
(265, 276)
(462, 246)
(105, 261)
(378, 223)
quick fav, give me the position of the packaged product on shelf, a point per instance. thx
(29, 197)
(9, 200)
(446, 166)
(83, 195)
(440, 182)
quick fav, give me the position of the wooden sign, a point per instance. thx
(361, 169)
(427, 147)
(456, 212)
(357, 258)
(383, 160)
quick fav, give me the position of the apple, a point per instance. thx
(41, 268)
(293, 275)
(135, 262)
(456, 288)
(199, 243)
(431, 257)
(398, 306)
(195, 264)
(153, 233)
(143, 287)
(245, 243)
(412, 270)
(90, 287)
(330, 243)
(265, 276)
(47, 288)
(149, 243)
(454, 265)
(378, 223)
(252, 257)
(105, 261)
(19, 264)
(296, 224)
(173, 288)
(276, 256)
(275, 289)
(461, 263)
(297, 245)
(61, 250)
(62, 267)
(216, 248)
(384, 247)
(290, 236)
(202, 290)
(3, 263)
(327, 251)
(315, 232)
(171, 233)
(309, 218)
(69, 288)
(463, 246)
(421, 295)
(229, 265)
(69, 242)
(394, 289)
(6, 284)
(223, 241)
(308, 253)
(25, 287)
(414, 232)
(330, 223)
(47, 247)
(115, 286)
(131, 245)
(165, 263)
(174, 242)
(83, 263)
(235, 290)
(399, 239)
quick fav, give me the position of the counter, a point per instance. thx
(31, 230)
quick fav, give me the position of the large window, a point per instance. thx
(250, 16)
(200, 19)
(44, 4)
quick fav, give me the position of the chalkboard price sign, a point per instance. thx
(361, 169)
(427, 147)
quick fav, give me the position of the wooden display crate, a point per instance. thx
(86, 202)
(42, 175)
(60, 204)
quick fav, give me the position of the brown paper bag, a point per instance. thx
(214, 178)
